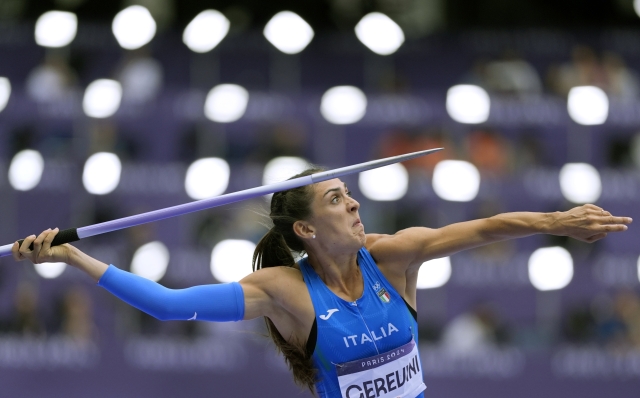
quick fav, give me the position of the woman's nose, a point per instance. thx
(354, 205)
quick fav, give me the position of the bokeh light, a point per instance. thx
(133, 27)
(206, 31)
(588, 105)
(102, 98)
(288, 32)
(385, 183)
(434, 273)
(282, 168)
(50, 270)
(151, 261)
(379, 33)
(207, 178)
(231, 260)
(343, 105)
(101, 173)
(56, 28)
(468, 104)
(226, 103)
(550, 268)
(26, 170)
(456, 180)
(5, 92)
(580, 183)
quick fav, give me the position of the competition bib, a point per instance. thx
(393, 374)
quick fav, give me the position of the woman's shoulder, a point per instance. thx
(275, 278)
(372, 239)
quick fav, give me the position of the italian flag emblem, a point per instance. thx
(384, 296)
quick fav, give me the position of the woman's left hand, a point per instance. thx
(587, 223)
(42, 251)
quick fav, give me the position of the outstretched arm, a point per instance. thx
(413, 246)
(219, 302)
(277, 292)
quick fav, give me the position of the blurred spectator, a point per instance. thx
(511, 75)
(635, 149)
(208, 228)
(51, 81)
(163, 11)
(201, 140)
(621, 82)
(249, 223)
(490, 152)
(77, 315)
(25, 319)
(398, 142)
(621, 151)
(610, 329)
(392, 81)
(529, 152)
(104, 136)
(282, 139)
(612, 323)
(141, 77)
(475, 330)
(579, 325)
(476, 75)
(610, 74)
(626, 308)
(583, 70)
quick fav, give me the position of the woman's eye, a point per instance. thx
(334, 199)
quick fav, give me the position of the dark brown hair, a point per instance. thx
(275, 249)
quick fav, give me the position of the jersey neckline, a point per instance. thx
(313, 272)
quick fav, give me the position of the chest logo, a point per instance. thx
(382, 293)
(329, 313)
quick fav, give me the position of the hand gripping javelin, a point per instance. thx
(75, 234)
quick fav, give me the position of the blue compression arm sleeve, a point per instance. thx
(221, 303)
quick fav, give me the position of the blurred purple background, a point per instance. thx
(487, 332)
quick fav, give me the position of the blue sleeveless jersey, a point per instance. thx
(377, 322)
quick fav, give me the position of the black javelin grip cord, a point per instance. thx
(63, 236)
(75, 234)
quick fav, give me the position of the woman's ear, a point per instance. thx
(303, 229)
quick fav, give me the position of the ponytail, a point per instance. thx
(272, 251)
(275, 250)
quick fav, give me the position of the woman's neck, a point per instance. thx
(340, 273)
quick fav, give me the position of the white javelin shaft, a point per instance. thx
(203, 204)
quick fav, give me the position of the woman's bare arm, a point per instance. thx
(413, 246)
(273, 292)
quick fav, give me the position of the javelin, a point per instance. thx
(75, 234)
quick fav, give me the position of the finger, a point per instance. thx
(46, 244)
(15, 251)
(24, 248)
(619, 220)
(610, 228)
(37, 244)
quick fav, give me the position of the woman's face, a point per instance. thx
(335, 219)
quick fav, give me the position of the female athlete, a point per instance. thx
(344, 317)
